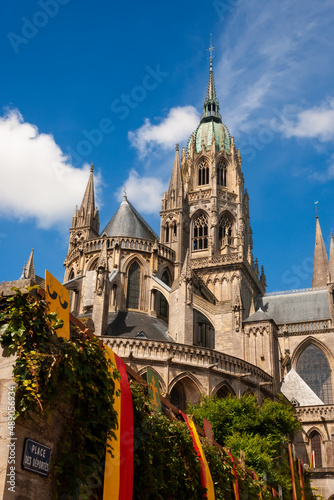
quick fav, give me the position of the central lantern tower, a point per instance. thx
(205, 220)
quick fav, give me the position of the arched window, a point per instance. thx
(316, 448)
(313, 367)
(200, 232)
(221, 173)
(203, 173)
(167, 234)
(132, 299)
(226, 230)
(163, 313)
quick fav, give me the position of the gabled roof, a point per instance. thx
(259, 315)
(294, 387)
(292, 306)
(128, 222)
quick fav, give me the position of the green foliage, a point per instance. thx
(52, 373)
(261, 432)
(165, 464)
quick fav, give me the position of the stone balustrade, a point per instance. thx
(190, 356)
(202, 262)
(131, 244)
(315, 413)
(305, 326)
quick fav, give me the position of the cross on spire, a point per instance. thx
(210, 49)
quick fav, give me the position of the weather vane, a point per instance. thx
(210, 49)
(124, 189)
(316, 208)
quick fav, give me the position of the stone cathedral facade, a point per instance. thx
(192, 303)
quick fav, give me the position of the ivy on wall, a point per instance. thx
(51, 372)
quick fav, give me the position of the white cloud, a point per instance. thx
(316, 122)
(145, 193)
(271, 54)
(176, 127)
(37, 178)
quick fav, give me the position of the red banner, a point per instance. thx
(118, 474)
(301, 476)
(294, 492)
(234, 472)
(205, 471)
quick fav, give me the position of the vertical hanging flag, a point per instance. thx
(208, 430)
(294, 491)
(118, 473)
(57, 297)
(255, 476)
(301, 476)
(153, 388)
(205, 471)
(234, 472)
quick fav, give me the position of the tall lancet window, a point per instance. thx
(226, 230)
(132, 299)
(200, 232)
(203, 173)
(315, 439)
(221, 173)
(314, 368)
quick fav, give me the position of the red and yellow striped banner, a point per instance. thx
(234, 472)
(301, 476)
(294, 491)
(255, 476)
(205, 471)
(118, 473)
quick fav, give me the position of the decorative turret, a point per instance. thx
(85, 221)
(28, 271)
(320, 264)
(331, 260)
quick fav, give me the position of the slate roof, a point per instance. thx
(290, 307)
(130, 324)
(259, 315)
(129, 223)
(294, 387)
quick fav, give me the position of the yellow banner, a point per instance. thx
(58, 299)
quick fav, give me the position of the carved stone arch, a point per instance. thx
(185, 388)
(200, 229)
(204, 330)
(221, 169)
(305, 343)
(226, 228)
(202, 170)
(165, 269)
(223, 387)
(313, 362)
(162, 384)
(134, 272)
(314, 428)
(71, 273)
(92, 263)
(128, 261)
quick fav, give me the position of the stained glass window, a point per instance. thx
(200, 240)
(132, 300)
(316, 448)
(314, 369)
(221, 174)
(203, 173)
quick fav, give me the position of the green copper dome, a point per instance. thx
(205, 132)
(211, 124)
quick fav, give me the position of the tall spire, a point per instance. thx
(211, 103)
(87, 215)
(29, 268)
(88, 201)
(331, 259)
(175, 186)
(320, 264)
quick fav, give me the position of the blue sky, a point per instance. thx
(118, 84)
